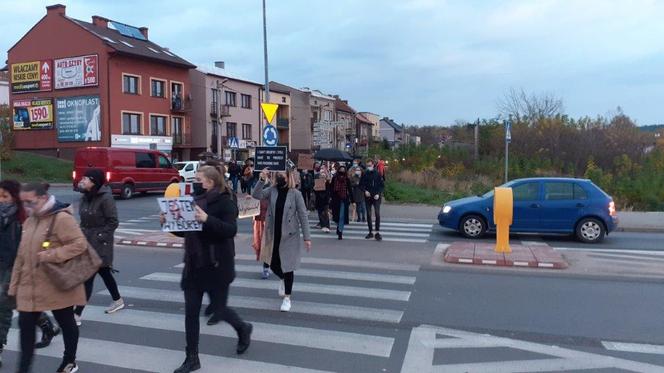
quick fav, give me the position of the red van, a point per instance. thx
(128, 171)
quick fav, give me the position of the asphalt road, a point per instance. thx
(366, 306)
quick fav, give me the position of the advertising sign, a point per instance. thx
(271, 157)
(78, 118)
(35, 76)
(33, 114)
(180, 214)
(76, 72)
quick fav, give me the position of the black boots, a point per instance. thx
(48, 331)
(244, 338)
(191, 363)
(340, 234)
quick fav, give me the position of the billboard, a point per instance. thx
(33, 114)
(78, 118)
(32, 76)
(76, 72)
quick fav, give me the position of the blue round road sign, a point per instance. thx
(270, 137)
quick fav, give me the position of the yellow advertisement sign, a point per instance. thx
(33, 114)
(32, 76)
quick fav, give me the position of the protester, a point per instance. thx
(259, 228)
(247, 176)
(234, 172)
(380, 167)
(372, 185)
(99, 220)
(341, 194)
(307, 186)
(357, 193)
(50, 235)
(322, 194)
(209, 263)
(286, 223)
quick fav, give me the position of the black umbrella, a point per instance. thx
(333, 155)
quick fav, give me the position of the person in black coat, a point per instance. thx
(372, 183)
(209, 263)
(341, 196)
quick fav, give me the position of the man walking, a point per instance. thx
(372, 185)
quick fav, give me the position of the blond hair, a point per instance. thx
(292, 178)
(215, 176)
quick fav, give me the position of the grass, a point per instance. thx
(407, 193)
(28, 167)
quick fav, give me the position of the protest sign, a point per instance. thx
(248, 207)
(271, 157)
(305, 161)
(180, 214)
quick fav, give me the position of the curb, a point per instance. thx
(150, 243)
(640, 230)
(466, 253)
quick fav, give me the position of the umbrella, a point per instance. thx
(334, 155)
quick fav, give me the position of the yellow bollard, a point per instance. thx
(503, 208)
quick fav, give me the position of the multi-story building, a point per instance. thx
(4, 88)
(226, 115)
(300, 125)
(363, 134)
(392, 132)
(375, 128)
(99, 83)
(346, 132)
(281, 97)
(323, 123)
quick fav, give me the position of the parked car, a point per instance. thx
(128, 171)
(187, 170)
(541, 205)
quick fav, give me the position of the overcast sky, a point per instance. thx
(417, 61)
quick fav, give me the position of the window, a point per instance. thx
(158, 88)
(558, 191)
(176, 130)
(164, 162)
(579, 192)
(177, 102)
(157, 125)
(246, 131)
(327, 115)
(144, 160)
(190, 167)
(283, 100)
(131, 84)
(215, 101)
(215, 133)
(230, 99)
(246, 101)
(131, 124)
(526, 192)
(231, 129)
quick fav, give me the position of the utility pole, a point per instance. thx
(477, 140)
(267, 82)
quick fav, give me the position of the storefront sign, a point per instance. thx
(78, 118)
(33, 114)
(271, 157)
(76, 72)
(180, 214)
(161, 143)
(35, 76)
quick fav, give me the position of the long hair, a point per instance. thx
(215, 176)
(13, 187)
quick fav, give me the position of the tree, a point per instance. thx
(521, 106)
(5, 132)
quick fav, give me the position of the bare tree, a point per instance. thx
(521, 106)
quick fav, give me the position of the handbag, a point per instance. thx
(74, 271)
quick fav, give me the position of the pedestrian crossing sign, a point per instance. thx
(233, 143)
(269, 110)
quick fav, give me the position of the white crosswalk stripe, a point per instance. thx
(390, 231)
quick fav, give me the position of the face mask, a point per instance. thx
(342, 172)
(334, 172)
(369, 168)
(358, 173)
(198, 189)
(281, 181)
(6, 208)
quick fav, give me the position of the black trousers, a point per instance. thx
(27, 322)
(288, 277)
(106, 274)
(193, 299)
(376, 204)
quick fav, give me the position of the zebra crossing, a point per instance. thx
(345, 315)
(137, 227)
(390, 231)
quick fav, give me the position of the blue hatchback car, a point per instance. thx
(541, 205)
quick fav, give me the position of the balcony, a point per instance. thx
(181, 139)
(217, 110)
(180, 105)
(282, 122)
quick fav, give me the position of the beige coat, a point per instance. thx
(30, 285)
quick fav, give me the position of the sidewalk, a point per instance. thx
(641, 221)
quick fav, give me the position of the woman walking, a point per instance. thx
(209, 263)
(357, 193)
(341, 194)
(286, 219)
(50, 235)
(99, 220)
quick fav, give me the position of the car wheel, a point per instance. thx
(590, 230)
(472, 226)
(127, 191)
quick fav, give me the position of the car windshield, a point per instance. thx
(180, 166)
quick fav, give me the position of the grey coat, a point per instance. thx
(99, 220)
(295, 225)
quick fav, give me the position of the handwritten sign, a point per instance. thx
(305, 161)
(319, 185)
(180, 212)
(248, 207)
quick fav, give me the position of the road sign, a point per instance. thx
(271, 157)
(508, 131)
(269, 110)
(233, 143)
(270, 137)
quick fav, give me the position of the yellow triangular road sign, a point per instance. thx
(269, 110)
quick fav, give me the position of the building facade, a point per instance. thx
(322, 118)
(226, 116)
(282, 118)
(346, 132)
(4, 88)
(300, 125)
(392, 132)
(104, 83)
(375, 128)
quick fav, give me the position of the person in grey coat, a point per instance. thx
(285, 225)
(99, 220)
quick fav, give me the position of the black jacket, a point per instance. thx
(99, 220)
(372, 182)
(10, 238)
(209, 255)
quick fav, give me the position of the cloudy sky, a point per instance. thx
(417, 61)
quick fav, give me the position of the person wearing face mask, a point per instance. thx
(99, 220)
(286, 228)
(50, 234)
(357, 193)
(372, 184)
(209, 263)
(322, 194)
(341, 194)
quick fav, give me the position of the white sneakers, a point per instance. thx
(326, 230)
(282, 288)
(286, 304)
(115, 306)
(78, 319)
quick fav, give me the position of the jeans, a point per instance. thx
(376, 204)
(7, 305)
(342, 216)
(323, 217)
(361, 214)
(234, 180)
(27, 321)
(106, 275)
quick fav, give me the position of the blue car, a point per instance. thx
(541, 205)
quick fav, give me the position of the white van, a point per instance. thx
(187, 170)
